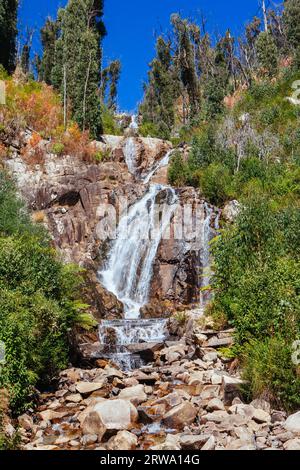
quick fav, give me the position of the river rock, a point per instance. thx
(134, 394)
(124, 440)
(180, 416)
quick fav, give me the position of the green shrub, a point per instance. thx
(216, 184)
(38, 302)
(58, 148)
(178, 171)
(270, 373)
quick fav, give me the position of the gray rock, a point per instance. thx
(293, 423)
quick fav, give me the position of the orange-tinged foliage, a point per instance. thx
(38, 106)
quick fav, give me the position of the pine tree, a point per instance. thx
(8, 33)
(49, 36)
(114, 77)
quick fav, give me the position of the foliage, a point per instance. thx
(8, 33)
(257, 279)
(38, 302)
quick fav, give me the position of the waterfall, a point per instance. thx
(158, 165)
(130, 266)
(133, 124)
(130, 154)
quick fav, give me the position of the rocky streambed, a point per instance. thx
(188, 398)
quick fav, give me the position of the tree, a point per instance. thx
(74, 68)
(26, 50)
(49, 36)
(8, 33)
(291, 19)
(267, 53)
(111, 76)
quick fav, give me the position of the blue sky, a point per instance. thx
(132, 25)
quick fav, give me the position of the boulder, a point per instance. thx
(261, 416)
(231, 388)
(117, 414)
(215, 405)
(192, 442)
(210, 444)
(50, 415)
(180, 416)
(293, 444)
(124, 440)
(135, 395)
(26, 422)
(93, 425)
(293, 423)
(86, 388)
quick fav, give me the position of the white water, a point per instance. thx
(134, 124)
(134, 331)
(130, 266)
(161, 164)
(130, 154)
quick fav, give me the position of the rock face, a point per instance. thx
(77, 200)
(183, 259)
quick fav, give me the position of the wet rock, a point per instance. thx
(145, 350)
(180, 416)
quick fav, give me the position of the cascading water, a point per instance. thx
(130, 154)
(161, 164)
(129, 270)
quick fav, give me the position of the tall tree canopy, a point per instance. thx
(8, 33)
(71, 60)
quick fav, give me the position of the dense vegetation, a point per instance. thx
(245, 146)
(71, 61)
(38, 302)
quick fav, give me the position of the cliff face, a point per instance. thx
(69, 196)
